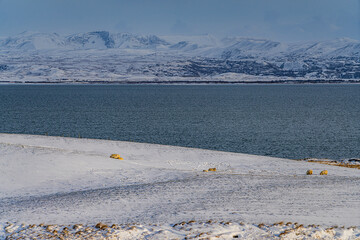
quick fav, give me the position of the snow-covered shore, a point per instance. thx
(184, 230)
(57, 180)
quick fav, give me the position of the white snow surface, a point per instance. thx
(59, 180)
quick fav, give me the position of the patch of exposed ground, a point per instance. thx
(183, 230)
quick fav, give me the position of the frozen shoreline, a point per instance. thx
(183, 230)
(59, 180)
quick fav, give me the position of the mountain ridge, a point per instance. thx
(102, 56)
(202, 45)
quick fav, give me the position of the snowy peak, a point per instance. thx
(90, 40)
(33, 41)
(237, 48)
(197, 45)
(127, 40)
(97, 40)
(343, 47)
(250, 43)
(232, 48)
(104, 40)
(246, 47)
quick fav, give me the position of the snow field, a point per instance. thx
(57, 181)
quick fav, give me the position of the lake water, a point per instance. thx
(292, 121)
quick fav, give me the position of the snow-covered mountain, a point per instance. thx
(105, 56)
(342, 47)
(203, 45)
(90, 40)
(238, 48)
(33, 41)
(104, 40)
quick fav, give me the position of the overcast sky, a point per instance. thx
(284, 20)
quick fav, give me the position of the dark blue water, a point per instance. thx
(292, 121)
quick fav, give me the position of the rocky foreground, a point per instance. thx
(183, 230)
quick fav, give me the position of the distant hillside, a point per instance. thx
(227, 48)
(102, 56)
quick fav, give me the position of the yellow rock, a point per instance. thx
(309, 172)
(205, 170)
(212, 169)
(324, 172)
(116, 156)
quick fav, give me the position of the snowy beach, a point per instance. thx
(161, 192)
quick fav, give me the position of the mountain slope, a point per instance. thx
(33, 41)
(204, 45)
(91, 40)
(122, 57)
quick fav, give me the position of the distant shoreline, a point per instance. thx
(185, 82)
